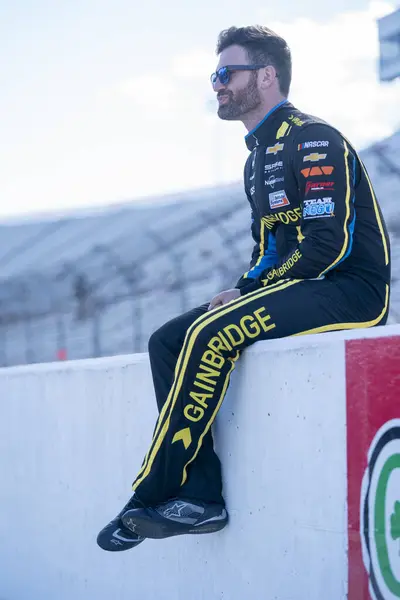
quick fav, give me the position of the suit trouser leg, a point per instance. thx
(213, 343)
(204, 481)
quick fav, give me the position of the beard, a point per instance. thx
(242, 102)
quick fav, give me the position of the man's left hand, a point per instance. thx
(223, 298)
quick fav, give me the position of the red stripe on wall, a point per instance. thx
(373, 399)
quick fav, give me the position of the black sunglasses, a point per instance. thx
(224, 73)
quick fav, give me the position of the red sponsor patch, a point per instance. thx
(315, 186)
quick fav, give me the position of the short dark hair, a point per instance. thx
(263, 46)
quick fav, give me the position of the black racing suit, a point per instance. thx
(321, 262)
(314, 209)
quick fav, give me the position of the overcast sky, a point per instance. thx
(108, 101)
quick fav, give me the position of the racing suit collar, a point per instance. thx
(257, 135)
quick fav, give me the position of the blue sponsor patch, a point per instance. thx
(318, 207)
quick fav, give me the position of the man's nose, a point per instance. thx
(218, 85)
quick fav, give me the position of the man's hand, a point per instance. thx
(223, 298)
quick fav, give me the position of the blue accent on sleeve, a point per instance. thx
(265, 118)
(351, 231)
(269, 259)
(353, 221)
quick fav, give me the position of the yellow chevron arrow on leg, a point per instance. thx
(185, 436)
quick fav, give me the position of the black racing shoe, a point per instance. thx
(114, 537)
(176, 517)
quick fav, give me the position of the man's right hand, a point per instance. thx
(224, 297)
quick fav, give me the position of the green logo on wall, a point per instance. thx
(380, 513)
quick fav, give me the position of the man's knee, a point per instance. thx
(166, 336)
(158, 338)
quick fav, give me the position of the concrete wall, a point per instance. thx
(73, 435)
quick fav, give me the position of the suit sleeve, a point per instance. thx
(325, 170)
(264, 253)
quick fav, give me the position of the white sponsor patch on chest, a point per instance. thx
(278, 199)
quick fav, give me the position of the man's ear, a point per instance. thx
(268, 76)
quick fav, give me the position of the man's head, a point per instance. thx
(243, 94)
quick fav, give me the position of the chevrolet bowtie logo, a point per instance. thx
(314, 157)
(274, 149)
